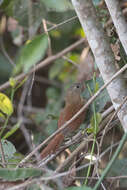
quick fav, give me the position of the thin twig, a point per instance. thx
(44, 63)
(114, 114)
(78, 137)
(106, 170)
(69, 60)
(49, 41)
(55, 175)
(30, 19)
(20, 115)
(62, 23)
(44, 80)
(76, 115)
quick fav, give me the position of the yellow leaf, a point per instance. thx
(28, 41)
(12, 82)
(5, 105)
(80, 33)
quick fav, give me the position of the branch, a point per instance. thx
(44, 63)
(103, 55)
(75, 116)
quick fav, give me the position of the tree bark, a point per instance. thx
(118, 20)
(103, 54)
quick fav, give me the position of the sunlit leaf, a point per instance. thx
(80, 32)
(55, 33)
(12, 131)
(5, 104)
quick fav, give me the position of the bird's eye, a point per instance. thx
(78, 86)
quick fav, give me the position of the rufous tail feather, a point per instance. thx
(53, 145)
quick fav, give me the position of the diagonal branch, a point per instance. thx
(75, 116)
(44, 63)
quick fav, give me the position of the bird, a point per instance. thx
(73, 103)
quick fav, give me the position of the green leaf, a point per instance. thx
(36, 187)
(52, 108)
(19, 174)
(12, 131)
(8, 149)
(57, 5)
(31, 53)
(56, 68)
(74, 57)
(5, 105)
(79, 188)
(7, 6)
(5, 69)
(103, 97)
(118, 169)
(96, 2)
(61, 69)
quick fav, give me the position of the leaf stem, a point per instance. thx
(95, 131)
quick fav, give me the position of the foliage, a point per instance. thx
(102, 99)
(24, 42)
(116, 171)
(19, 174)
(50, 116)
(6, 106)
(5, 68)
(62, 68)
(79, 188)
(12, 131)
(8, 149)
(31, 53)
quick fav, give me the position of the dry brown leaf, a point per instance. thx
(116, 49)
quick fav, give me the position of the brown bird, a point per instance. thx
(73, 103)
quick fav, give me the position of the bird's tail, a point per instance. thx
(53, 145)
